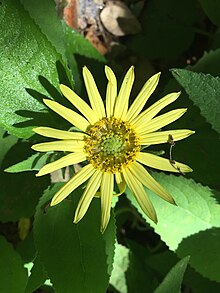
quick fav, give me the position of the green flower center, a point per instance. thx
(111, 144)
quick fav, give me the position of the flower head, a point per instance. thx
(110, 139)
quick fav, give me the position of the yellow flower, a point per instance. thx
(110, 140)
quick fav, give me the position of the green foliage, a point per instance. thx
(120, 266)
(66, 41)
(173, 280)
(204, 91)
(196, 209)
(38, 52)
(34, 162)
(71, 250)
(204, 249)
(209, 63)
(165, 22)
(13, 274)
(139, 276)
(37, 277)
(27, 55)
(19, 192)
(5, 143)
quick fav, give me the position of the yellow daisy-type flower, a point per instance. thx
(110, 139)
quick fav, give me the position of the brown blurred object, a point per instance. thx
(99, 21)
(70, 13)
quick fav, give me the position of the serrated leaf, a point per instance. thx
(196, 209)
(204, 250)
(71, 251)
(25, 55)
(173, 280)
(203, 146)
(66, 41)
(120, 266)
(13, 274)
(204, 91)
(45, 15)
(34, 162)
(110, 242)
(211, 8)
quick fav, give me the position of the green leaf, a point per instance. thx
(167, 27)
(204, 91)
(19, 192)
(173, 280)
(74, 255)
(196, 209)
(46, 17)
(208, 63)
(66, 41)
(120, 266)
(162, 262)
(204, 250)
(34, 162)
(26, 248)
(13, 274)
(211, 9)
(37, 278)
(139, 276)
(26, 55)
(110, 242)
(203, 146)
(77, 44)
(5, 143)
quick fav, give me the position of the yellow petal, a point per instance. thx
(79, 178)
(111, 91)
(59, 134)
(81, 105)
(163, 136)
(107, 186)
(140, 195)
(84, 202)
(145, 178)
(71, 116)
(120, 182)
(153, 110)
(60, 145)
(121, 105)
(65, 161)
(160, 121)
(93, 93)
(146, 91)
(159, 163)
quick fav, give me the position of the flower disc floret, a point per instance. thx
(111, 144)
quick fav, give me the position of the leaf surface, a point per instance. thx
(13, 274)
(196, 209)
(25, 55)
(173, 280)
(204, 91)
(72, 250)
